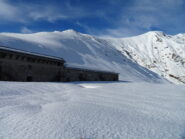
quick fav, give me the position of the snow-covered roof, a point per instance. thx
(30, 53)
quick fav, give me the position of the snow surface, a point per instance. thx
(92, 110)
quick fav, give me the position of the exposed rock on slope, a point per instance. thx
(158, 52)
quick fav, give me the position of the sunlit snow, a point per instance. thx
(92, 110)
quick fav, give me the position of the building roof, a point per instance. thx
(5, 48)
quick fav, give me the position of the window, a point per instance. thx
(29, 77)
(22, 58)
(59, 64)
(3, 55)
(38, 60)
(17, 57)
(10, 56)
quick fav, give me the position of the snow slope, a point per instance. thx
(96, 110)
(80, 50)
(158, 52)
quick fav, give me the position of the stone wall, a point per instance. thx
(16, 66)
(76, 74)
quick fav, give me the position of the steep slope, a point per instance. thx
(158, 52)
(80, 50)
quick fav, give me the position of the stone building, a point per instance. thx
(81, 74)
(17, 65)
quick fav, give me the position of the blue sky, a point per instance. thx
(117, 18)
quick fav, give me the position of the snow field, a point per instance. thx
(92, 110)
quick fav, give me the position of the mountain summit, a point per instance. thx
(158, 52)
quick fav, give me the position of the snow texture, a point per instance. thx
(96, 110)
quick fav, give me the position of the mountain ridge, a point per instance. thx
(161, 53)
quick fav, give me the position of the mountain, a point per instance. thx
(140, 58)
(80, 50)
(158, 52)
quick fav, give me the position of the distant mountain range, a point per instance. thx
(151, 57)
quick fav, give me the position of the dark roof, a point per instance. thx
(5, 48)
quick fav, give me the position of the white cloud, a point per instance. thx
(52, 12)
(8, 12)
(26, 30)
(143, 15)
(32, 12)
(135, 18)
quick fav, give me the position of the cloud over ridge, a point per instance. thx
(102, 18)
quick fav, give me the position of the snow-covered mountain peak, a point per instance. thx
(70, 31)
(161, 53)
(154, 33)
(180, 35)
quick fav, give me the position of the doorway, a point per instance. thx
(29, 77)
